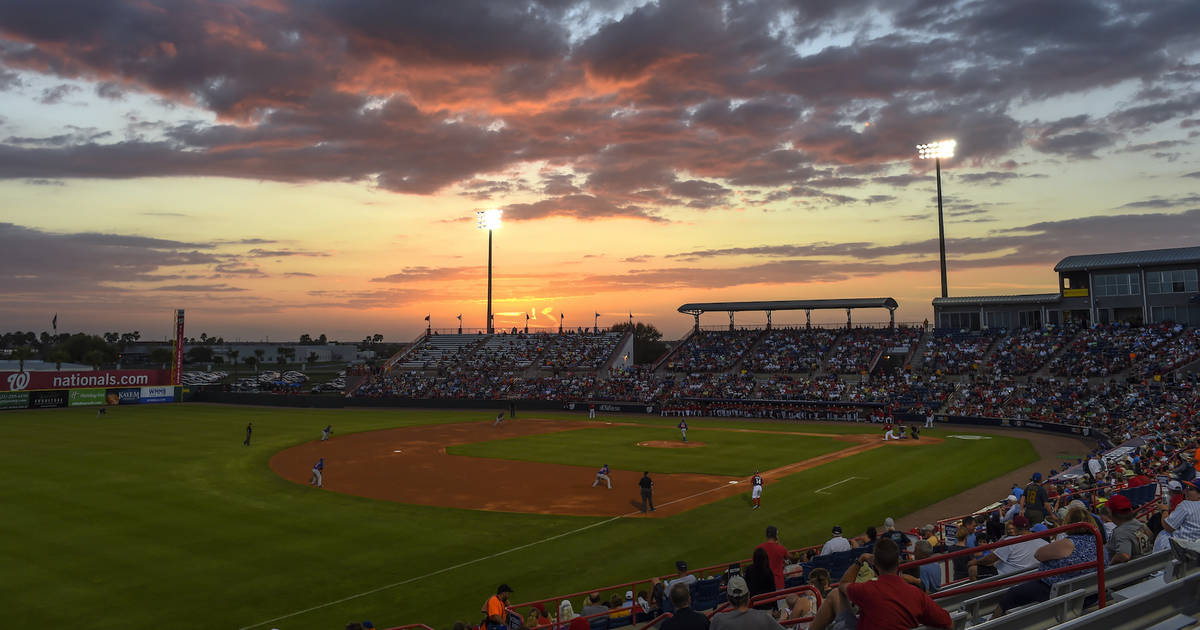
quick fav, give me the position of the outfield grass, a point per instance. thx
(158, 516)
(730, 453)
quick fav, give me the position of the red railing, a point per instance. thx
(940, 526)
(1098, 563)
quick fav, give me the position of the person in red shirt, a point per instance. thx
(887, 603)
(776, 554)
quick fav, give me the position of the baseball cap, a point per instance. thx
(680, 565)
(1174, 484)
(1012, 498)
(1037, 476)
(367, 624)
(837, 530)
(628, 595)
(1120, 503)
(1040, 527)
(889, 523)
(772, 531)
(504, 588)
(737, 587)
(1020, 521)
(1190, 484)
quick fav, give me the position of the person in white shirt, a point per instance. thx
(1184, 521)
(1012, 508)
(1010, 559)
(837, 543)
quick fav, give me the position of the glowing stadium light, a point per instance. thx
(936, 151)
(489, 219)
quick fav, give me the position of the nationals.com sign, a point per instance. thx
(21, 381)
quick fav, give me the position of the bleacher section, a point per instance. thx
(957, 352)
(791, 350)
(712, 351)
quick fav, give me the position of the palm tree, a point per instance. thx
(22, 353)
(233, 354)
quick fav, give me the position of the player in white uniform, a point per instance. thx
(499, 420)
(602, 475)
(929, 419)
(326, 432)
(756, 483)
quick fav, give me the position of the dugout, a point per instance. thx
(808, 306)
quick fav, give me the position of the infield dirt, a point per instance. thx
(410, 465)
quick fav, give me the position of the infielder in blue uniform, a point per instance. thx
(318, 468)
(499, 420)
(326, 432)
(683, 429)
(602, 475)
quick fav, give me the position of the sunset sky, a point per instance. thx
(278, 167)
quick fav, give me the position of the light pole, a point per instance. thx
(489, 220)
(937, 151)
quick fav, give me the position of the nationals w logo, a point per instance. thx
(18, 381)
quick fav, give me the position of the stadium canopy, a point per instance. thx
(808, 306)
(1143, 258)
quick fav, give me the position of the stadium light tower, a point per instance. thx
(937, 151)
(489, 220)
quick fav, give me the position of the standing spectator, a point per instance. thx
(684, 618)
(1036, 500)
(759, 577)
(494, 616)
(837, 543)
(1131, 538)
(647, 486)
(776, 553)
(887, 602)
(742, 617)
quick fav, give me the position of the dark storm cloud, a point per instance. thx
(670, 103)
(81, 263)
(56, 94)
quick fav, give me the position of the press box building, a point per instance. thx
(1153, 286)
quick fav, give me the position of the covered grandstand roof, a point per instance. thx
(988, 300)
(1144, 258)
(788, 305)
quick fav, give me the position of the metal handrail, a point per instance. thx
(1025, 577)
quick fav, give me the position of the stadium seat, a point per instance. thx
(1040, 615)
(598, 623)
(706, 594)
(1175, 605)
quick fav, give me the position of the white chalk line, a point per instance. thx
(467, 563)
(837, 484)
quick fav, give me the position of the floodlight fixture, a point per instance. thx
(936, 150)
(489, 219)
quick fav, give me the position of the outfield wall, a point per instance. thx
(88, 397)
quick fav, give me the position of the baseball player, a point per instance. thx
(889, 434)
(499, 420)
(756, 484)
(683, 429)
(929, 419)
(318, 468)
(103, 411)
(249, 430)
(602, 475)
(326, 432)
(592, 411)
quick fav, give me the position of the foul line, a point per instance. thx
(470, 562)
(837, 484)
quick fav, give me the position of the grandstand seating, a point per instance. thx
(712, 351)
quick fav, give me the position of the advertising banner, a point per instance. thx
(45, 399)
(71, 379)
(85, 397)
(14, 400)
(123, 396)
(160, 394)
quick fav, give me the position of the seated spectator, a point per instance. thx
(592, 605)
(1131, 538)
(1011, 559)
(684, 617)
(566, 611)
(742, 617)
(930, 575)
(837, 543)
(887, 602)
(1072, 549)
(682, 577)
(493, 609)
(1184, 521)
(820, 579)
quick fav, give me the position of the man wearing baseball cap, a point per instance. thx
(1131, 538)
(742, 617)
(1036, 501)
(1184, 521)
(837, 543)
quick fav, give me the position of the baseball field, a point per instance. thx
(158, 516)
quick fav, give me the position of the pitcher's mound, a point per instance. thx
(670, 444)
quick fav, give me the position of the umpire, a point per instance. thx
(647, 486)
